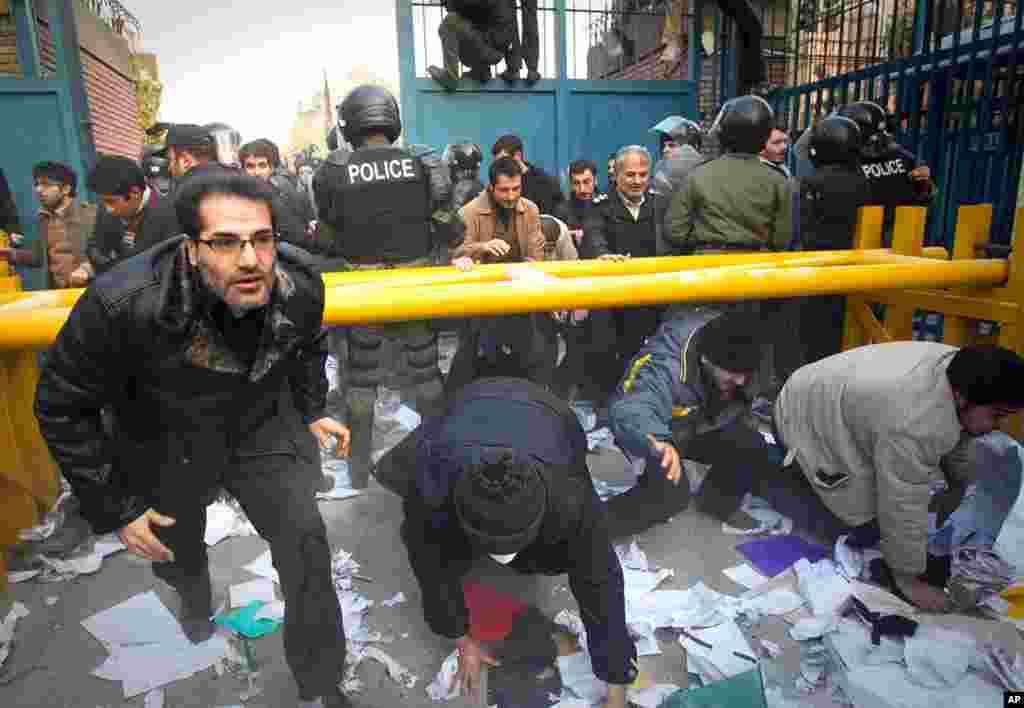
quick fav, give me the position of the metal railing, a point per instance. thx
(115, 15)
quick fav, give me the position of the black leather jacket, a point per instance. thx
(143, 340)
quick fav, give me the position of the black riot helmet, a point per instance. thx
(872, 120)
(680, 131)
(834, 141)
(463, 158)
(744, 124)
(369, 109)
(228, 142)
(156, 169)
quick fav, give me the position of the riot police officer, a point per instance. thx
(382, 206)
(463, 159)
(156, 169)
(681, 141)
(896, 176)
(826, 217)
(227, 141)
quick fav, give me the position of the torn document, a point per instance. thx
(823, 587)
(600, 439)
(57, 570)
(147, 647)
(271, 611)
(718, 652)
(632, 557)
(397, 599)
(652, 696)
(745, 575)
(774, 602)
(398, 673)
(261, 590)
(154, 699)
(223, 520)
(444, 687)
(578, 679)
(264, 567)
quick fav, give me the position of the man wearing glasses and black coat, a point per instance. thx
(210, 350)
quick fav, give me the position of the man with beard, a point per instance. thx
(587, 367)
(685, 394)
(65, 228)
(261, 158)
(538, 186)
(501, 227)
(210, 350)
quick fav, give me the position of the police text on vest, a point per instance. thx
(382, 171)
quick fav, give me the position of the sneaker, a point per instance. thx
(444, 77)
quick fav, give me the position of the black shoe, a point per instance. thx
(335, 700)
(481, 74)
(444, 77)
(509, 76)
(532, 77)
(196, 608)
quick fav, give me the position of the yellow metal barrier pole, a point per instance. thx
(908, 240)
(867, 235)
(973, 222)
(1011, 334)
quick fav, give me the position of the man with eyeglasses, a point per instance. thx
(210, 350)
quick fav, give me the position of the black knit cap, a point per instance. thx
(988, 375)
(733, 341)
(501, 503)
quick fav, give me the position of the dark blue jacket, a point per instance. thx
(666, 391)
(573, 539)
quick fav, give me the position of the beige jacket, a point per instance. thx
(61, 242)
(482, 224)
(881, 418)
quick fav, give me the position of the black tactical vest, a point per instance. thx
(889, 180)
(383, 206)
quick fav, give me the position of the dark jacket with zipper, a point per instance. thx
(108, 246)
(505, 413)
(611, 228)
(149, 341)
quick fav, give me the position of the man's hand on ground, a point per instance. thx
(472, 657)
(141, 540)
(324, 428)
(921, 594)
(670, 461)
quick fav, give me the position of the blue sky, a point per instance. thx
(249, 62)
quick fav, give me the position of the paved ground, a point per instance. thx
(52, 639)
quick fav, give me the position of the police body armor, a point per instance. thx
(380, 206)
(888, 177)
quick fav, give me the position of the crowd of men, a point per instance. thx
(195, 362)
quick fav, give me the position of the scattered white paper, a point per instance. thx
(579, 680)
(223, 521)
(878, 600)
(573, 624)
(744, 574)
(141, 619)
(774, 602)
(774, 650)
(641, 582)
(51, 601)
(720, 661)
(58, 570)
(17, 611)
(652, 696)
(154, 699)
(108, 545)
(147, 647)
(937, 658)
(272, 611)
(264, 567)
(398, 673)
(261, 590)
(813, 627)
(823, 587)
(442, 688)
(408, 418)
(398, 599)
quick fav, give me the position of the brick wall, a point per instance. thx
(109, 91)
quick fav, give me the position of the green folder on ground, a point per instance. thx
(742, 691)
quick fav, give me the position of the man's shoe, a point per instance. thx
(509, 76)
(444, 77)
(532, 77)
(196, 608)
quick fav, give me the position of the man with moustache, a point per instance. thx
(210, 350)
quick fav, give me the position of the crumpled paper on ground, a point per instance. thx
(225, 519)
(57, 570)
(937, 658)
(398, 673)
(442, 688)
(1007, 666)
(822, 586)
(601, 439)
(633, 557)
(52, 520)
